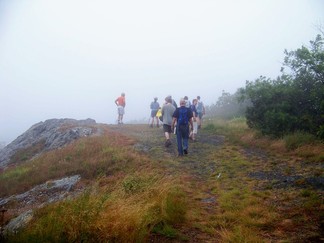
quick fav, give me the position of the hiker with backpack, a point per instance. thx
(154, 109)
(200, 111)
(183, 117)
(121, 103)
(167, 112)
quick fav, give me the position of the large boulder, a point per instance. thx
(48, 135)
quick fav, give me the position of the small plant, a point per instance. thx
(305, 193)
(165, 229)
(175, 206)
(210, 127)
(133, 184)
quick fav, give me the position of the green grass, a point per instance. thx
(233, 129)
(132, 195)
(298, 139)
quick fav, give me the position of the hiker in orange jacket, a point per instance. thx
(121, 103)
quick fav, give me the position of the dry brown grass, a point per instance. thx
(105, 214)
(312, 152)
(127, 196)
(90, 157)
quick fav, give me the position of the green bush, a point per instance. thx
(292, 102)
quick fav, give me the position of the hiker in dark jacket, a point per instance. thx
(183, 117)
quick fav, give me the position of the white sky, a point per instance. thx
(73, 58)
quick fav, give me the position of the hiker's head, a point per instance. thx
(198, 97)
(168, 99)
(155, 98)
(194, 101)
(123, 94)
(185, 98)
(182, 102)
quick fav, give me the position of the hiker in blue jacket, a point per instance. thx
(183, 117)
(154, 109)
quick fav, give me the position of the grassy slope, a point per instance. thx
(207, 196)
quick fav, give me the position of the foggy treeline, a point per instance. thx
(293, 102)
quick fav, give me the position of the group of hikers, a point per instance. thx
(184, 120)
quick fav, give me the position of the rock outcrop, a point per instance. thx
(2, 145)
(39, 196)
(49, 135)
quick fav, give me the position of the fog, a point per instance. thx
(72, 59)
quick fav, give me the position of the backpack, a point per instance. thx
(183, 116)
(159, 114)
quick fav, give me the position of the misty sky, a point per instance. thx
(72, 59)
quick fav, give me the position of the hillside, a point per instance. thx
(122, 185)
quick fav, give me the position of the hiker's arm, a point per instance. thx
(191, 123)
(174, 119)
(116, 102)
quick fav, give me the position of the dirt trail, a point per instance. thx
(211, 158)
(197, 166)
(197, 162)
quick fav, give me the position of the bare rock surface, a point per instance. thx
(50, 134)
(49, 192)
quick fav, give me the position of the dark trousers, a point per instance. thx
(182, 138)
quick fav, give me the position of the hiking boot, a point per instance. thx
(185, 151)
(167, 143)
